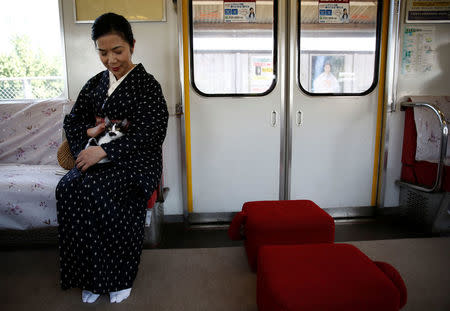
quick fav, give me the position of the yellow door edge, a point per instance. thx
(187, 111)
(380, 109)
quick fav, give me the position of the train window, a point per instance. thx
(233, 47)
(31, 51)
(338, 46)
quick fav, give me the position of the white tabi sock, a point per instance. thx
(88, 296)
(119, 296)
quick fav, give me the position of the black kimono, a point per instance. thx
(101, 213)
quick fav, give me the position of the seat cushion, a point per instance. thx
(281, 222)
(332, 277)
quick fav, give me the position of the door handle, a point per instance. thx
(273, 121)
(299, 118)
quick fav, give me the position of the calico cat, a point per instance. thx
(113, 130)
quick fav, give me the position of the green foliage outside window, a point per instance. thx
(29, 73)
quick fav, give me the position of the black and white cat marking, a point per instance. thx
(113, 130)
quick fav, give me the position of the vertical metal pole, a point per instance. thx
(285, 49)
(389, 94)
(27, 88)
(381, 111)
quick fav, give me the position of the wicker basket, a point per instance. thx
(65, 158)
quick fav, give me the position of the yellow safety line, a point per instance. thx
(187, 110)
(380, 111)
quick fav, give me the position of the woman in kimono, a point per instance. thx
(102, 207)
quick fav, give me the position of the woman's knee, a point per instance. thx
(66, 185)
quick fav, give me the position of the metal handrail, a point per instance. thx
(443, 147)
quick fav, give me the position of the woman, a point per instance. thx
(326, 82)
(102, 207)
(344, 17)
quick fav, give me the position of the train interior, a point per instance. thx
(294, 102)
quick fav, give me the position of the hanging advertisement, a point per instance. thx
(334, 11)
(236, 11)
(428, 11)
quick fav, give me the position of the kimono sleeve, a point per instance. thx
(148, 126)
(79, 120)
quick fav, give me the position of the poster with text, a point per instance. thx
(261, 73)
(334, 11)
(428, 11)
(235, 11)
(418, 53)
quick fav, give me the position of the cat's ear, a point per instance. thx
(124, 123)
(107, 121)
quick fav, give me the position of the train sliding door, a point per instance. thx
(234, 103)
(334, 104)
(282, 103)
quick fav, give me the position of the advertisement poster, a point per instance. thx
(418, 50)
(325, 73)
(235, 11)
(428, 11)
(261, 73)
(334, 11)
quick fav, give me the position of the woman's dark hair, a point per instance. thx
(112, 23)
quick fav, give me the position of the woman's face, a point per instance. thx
(115, 53)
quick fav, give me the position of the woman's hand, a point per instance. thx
(89, 157)
(95, 131)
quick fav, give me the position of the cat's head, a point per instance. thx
(115, 129)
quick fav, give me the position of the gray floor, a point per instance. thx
(211, 279)
(198, 267)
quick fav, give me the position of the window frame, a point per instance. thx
(274, 66)
(378, 38)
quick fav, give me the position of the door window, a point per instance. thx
(338, 46)
(233, 47)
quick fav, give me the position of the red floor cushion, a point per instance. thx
(332, 277)
(280, 222)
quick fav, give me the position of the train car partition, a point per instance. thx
(425, 178)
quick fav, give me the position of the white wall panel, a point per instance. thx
(434, 82)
